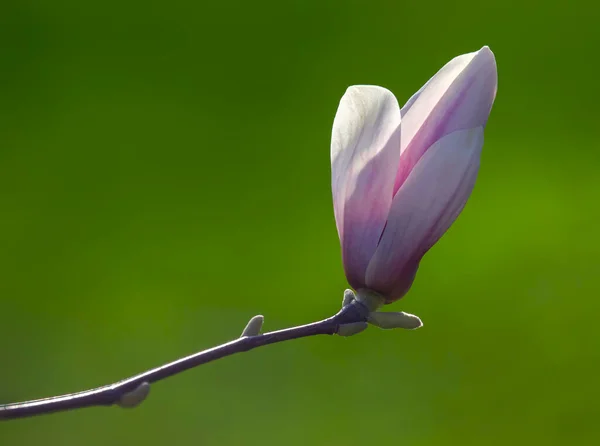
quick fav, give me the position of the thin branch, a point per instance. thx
(132, 391)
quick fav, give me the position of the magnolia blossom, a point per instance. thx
(401, 176)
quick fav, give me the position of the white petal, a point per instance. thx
(365, 152)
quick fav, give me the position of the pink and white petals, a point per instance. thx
(400, 177)
(364, 158)
(428, 202)
(458, 97)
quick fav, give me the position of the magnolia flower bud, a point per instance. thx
(401, 176)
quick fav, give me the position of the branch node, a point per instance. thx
(132, 399)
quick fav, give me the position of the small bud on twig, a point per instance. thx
(394, 320)
(132, 399)
(349, 296)
(254, 326)
(352, 328)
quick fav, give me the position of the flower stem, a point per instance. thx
(131, 391)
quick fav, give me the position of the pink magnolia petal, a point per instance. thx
(423, 209)
(459, 96)
(365, 151)
(406, 107)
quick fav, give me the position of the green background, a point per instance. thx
(165, 175)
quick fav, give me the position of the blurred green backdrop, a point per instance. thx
(164, 176)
